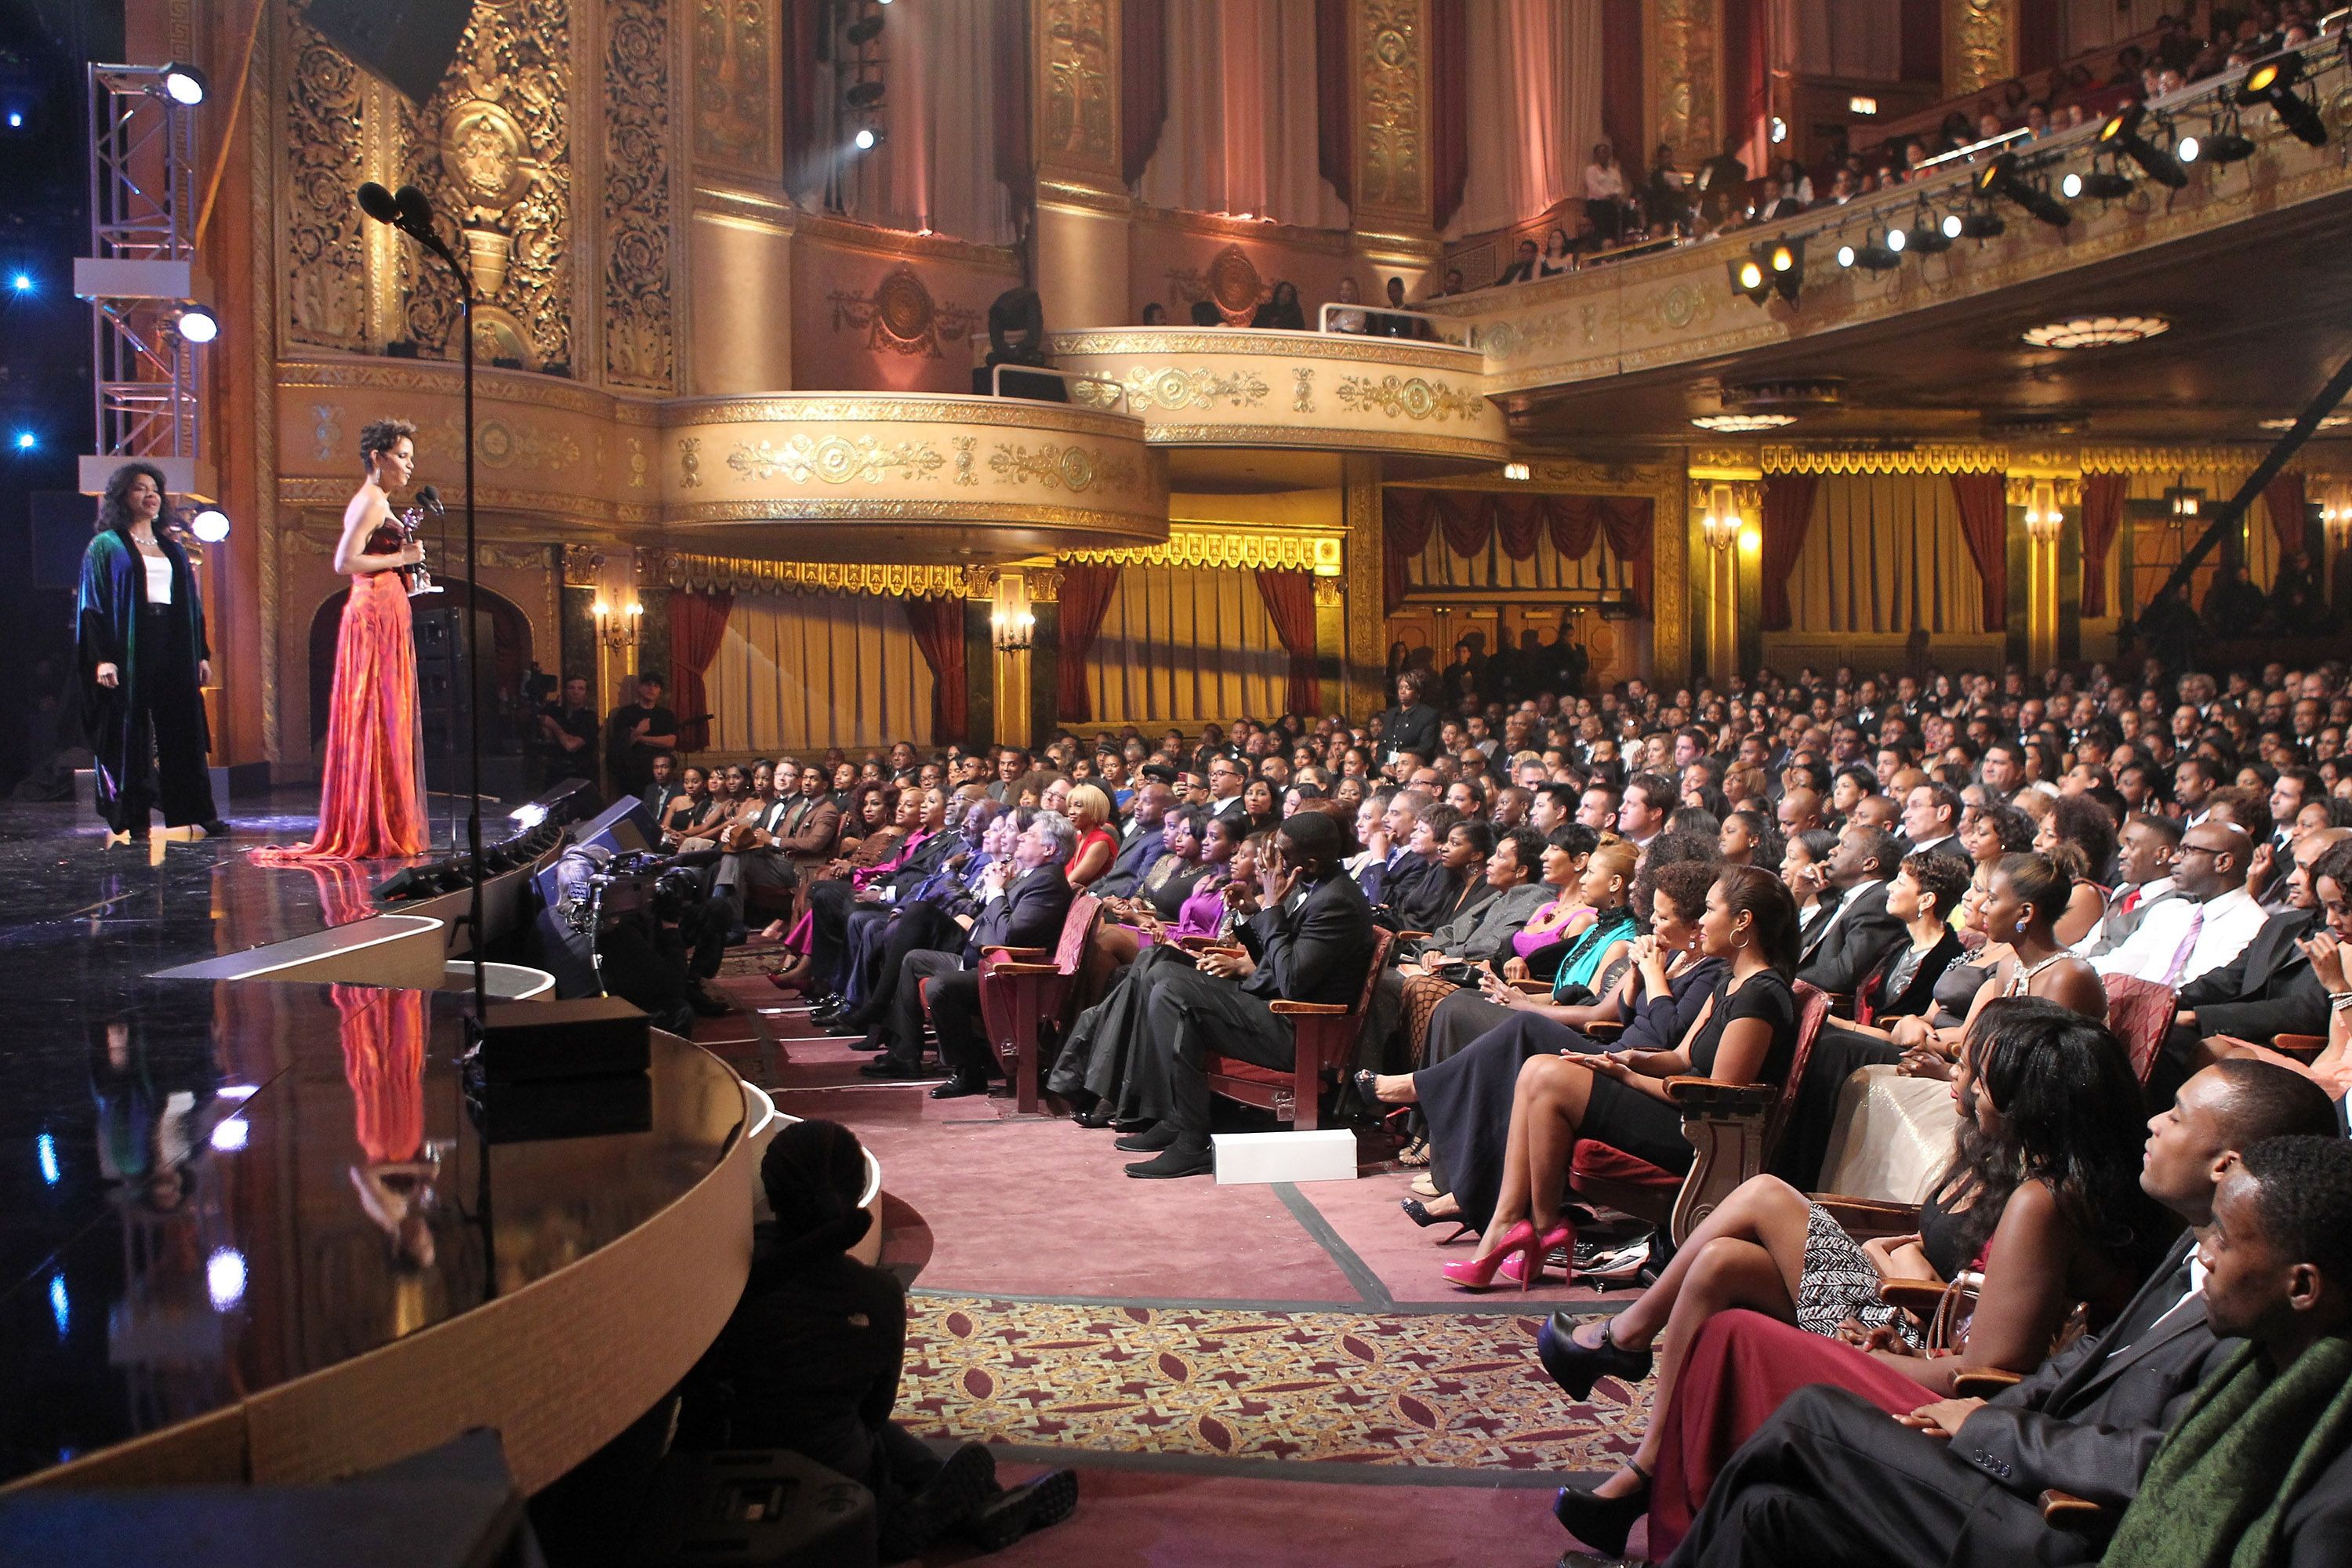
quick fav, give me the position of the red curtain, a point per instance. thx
(1449, 110)
(1142, 83)
(697, 625)
(1520, 525)
(937, 624)
(1334, 131)
(1923, 38)
(1620, 87)
(1407, 517)
(1747, 70)
(808, 86)
(2037, 38)
(1788, 515)
(1983, 501)
(1626, 522)
(1465, 518)
(1086, 593)
(2283, 496)
(2102, 514)
(1290, 601)
(1469, 519)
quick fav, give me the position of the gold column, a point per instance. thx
(1394, 201)
(1727, 510)
(1980, 45)
(1367, 578)
(1682, 91)
(1081, 231)
(2044, 501)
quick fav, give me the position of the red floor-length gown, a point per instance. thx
(369, 804)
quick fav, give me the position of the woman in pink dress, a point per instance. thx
(369, 805)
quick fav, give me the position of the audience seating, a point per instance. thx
(1325, 1036)
(2140, 1014)
(1732, 1128)
(1023, 990)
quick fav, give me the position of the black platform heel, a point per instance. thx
(1576, 1368)
(1415, 1212)
(1602, 1523)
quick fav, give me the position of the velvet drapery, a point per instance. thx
(1532, 107)
(1142, 84)
(1290, 602)
(1983, 501)
(1788, 514)
(2103, 515)
(1180, 645)
(942, 164)
(797, 670)
(697, 625)
(1243, 113)
(1469, 519)
(936, 621)
(2285, 498)
(1449, 110)
(1086, 593)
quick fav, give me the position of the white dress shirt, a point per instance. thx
(2221, 929)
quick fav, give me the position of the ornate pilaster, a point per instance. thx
(1081, 232)
(1392, 205)
(1682, 97)
(2045, 512)
(1980, 45)
(1720, 533)
(1367, 623)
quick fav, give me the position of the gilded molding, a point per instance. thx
(444, 379)
(749, 209)
(1983, 457)
(1073, 468)
(900, 317)
(1390, 170)
(1393, 353)
(1927, 458)
(640, 322)
(1227, 551)
(898, 244)
(1684, 89)
(735, 105)
(836, 460)
(1400, 441)
(1170, 387)
(1980, 45)
(705, 574)
(928, 408)
(1087, 198)
(326, 254)
(1078, 111)
(1410, 397)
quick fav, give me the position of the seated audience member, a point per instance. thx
(1843, 947)
(932, 912)
(2145, 852)
(810, 1359)
(2205, 928)
(1189, 835)
(2270, 988)
(2326, 949)
(1524, 265)
(1025, 899)
(2079, 835)
(2041, 1198)
(1960, 1481)
(1090, 811)
(1746, 1034)
(1483, 931)
(1749, 838)
(1309, 938)
(1141, 841)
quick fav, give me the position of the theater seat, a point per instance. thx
(2140, 1014)
(1324, 1038)
(1023, 990)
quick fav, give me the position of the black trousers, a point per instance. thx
(830, 904)
(1192, 1015)
(964, 1034)
(165, 739)
(918, 927)
(901, 1030)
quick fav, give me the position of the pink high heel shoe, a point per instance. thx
(1478, 1273)
(1526, 1270)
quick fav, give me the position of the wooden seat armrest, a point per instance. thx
(1012, 966)
(2304, 1047)
(1984, 1382)
(1026, 954)
(1714, 1096)
(1920, 1296)
(1412, 936)
(1208, 945)
(1842, 1004)
(1604, 1029)
(1306, 1009)
(1869, 1216)
(1532, 986)
(2067, 1511)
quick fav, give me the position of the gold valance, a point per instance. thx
(710, 574)
(1992, 457)
(1318, 554)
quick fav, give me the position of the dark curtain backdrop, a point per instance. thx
(1290, 604)
(2102, 514)
(697, 625)
(1142, 83)
(937, 624)
(2037, 38)
(1983, 501)
(1469, 519)
(1449, 113)
(1333, 133)
(1015, 164)
(1923, 38)
(2283, 495)
(1621, 89)
(1788, 514)
(807, 80)
(1746, 68)
(1085, 599)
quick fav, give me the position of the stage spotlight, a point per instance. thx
(1847, 255)
(865, 95)
(198, 325)
(865, 139)
(22, 282)
(16, 120)
(211, 525)
(27, 441)
(184, 85)
(1954, 226)
(2273, 82)
(1785, 260)
(1878, 256)
(1982, 224)
(2000, 178)
(864, 30)
(2121, 133)
(1896, 241)
(1748, 277)
(2106, 185)
(1926, 235)
(2227, 147)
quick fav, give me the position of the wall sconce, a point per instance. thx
(1719, 524)
(2336, 514)
(1011, 623)
(618, 630)
(2042, 514)
(2183, 504)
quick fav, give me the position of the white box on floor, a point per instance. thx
(1325, 1156)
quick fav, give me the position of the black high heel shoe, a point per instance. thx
(1421, 1216)
(1602, 1523)
(1381, 1108)
(1576, 1368)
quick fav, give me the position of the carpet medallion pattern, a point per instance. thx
(1354, 1387)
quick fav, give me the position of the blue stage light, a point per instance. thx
(22, 282)
(26, 440)
(44, 1150)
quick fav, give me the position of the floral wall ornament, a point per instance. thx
(1410, 397)
(900, 316)
(836, 460)
(640, 319)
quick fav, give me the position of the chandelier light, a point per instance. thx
(1742, 424)
(2095, 332)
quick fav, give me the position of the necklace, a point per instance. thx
(2023, 978)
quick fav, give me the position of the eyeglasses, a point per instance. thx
(2186, 850)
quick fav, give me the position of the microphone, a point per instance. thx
(416, 212)
(429, 498)
(379, 204)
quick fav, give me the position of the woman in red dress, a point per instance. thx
(369, 804)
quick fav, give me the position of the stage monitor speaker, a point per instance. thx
(531, 1042)
(408, 43)
(746, 1507)
(623, 825)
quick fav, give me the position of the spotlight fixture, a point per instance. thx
(2070, 187)
(1896, 241)
(2095, 332)
(2000, 178)
(2187, 149)
(1748, 276)
(2273, 82)
(184, 85)
(16, 120)
(864, 30)
(865, 95)
(1847, 255)
(2106, 185)
(1877, 254)
(2226, 144)
(1742, 424)
(211, 525)
(1771, 266)
(26, 440)
(1954, 226)
(865, 139)
(22, 282)
(1983, 223)
(1517, 471)
(1927, 236)
(2123, 134)
(198, 325)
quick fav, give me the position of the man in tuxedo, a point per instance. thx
(1142, 843)
(1931, 820)
(2143, 856)
(1958, 1480)
(1310, 940)
(664, 791)
(1847, 944)
(1025, 902)
(1226, 784)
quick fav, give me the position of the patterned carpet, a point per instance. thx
(1356, 1387)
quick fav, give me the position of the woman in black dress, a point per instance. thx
(1746, 1034)
(809, 1360)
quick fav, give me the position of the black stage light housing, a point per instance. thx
(865, 95)
(1784, 260)
(2000, 178)
(2274, 81)
(2108, 185)
(1748, 277)
(2124, 133)
(1928, 236)
(1983, 223)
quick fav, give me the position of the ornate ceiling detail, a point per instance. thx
(707, 574)
(1191, 545)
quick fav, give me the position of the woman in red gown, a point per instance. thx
(369, 804)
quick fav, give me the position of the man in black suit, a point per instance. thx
(1848, 942)
(2269, 988)
(664, 791)
(1144, 842)
(1931, 820)
(1958, 1480)
(1310, 941)
(1025, 907)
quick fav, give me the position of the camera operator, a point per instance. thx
(638, 925)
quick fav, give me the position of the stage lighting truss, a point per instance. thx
(1769, 267)
(2276, 81)
(2125, 134)
(2003, 178)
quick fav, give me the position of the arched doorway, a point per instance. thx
(510, 651)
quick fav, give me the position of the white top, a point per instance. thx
(1603, 184)
(159, 579)
(2213, 934)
